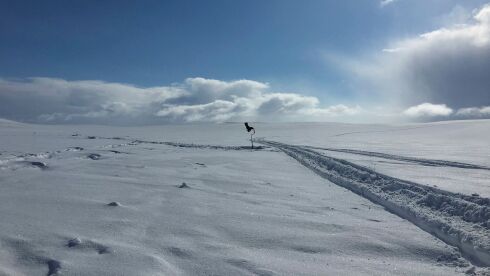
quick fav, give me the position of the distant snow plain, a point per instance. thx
(98, 200)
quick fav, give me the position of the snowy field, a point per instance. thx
(312, 199)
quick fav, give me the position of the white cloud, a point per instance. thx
(428, 110)
(195, 100)
(216, 111)
(448, 65)
(335, 110)
(392, 50)
(386, 2)
(474, 112)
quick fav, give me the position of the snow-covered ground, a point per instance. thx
(241, 212)
(466, 142)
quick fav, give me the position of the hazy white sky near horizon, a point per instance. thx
(375, 61)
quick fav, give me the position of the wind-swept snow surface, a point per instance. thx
(91, 200)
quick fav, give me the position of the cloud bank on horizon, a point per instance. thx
(48, 100)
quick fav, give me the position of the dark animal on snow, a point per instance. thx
(249, 128)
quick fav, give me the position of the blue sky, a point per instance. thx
(300, 47)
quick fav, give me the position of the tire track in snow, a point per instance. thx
(459, 220)
(420, 161)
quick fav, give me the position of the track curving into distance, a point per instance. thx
(459, 220)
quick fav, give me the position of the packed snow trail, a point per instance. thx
(181, 145)
(459, 220)
(420, 161)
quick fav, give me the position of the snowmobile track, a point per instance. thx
(459, 220)
(420, 161)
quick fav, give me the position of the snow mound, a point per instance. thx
(183, 186)
(74, 149)
(94, 156)
(74, 242)
(29, 255)
(9, 123)
(18, 163)
(88, 245)
(37, 164)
